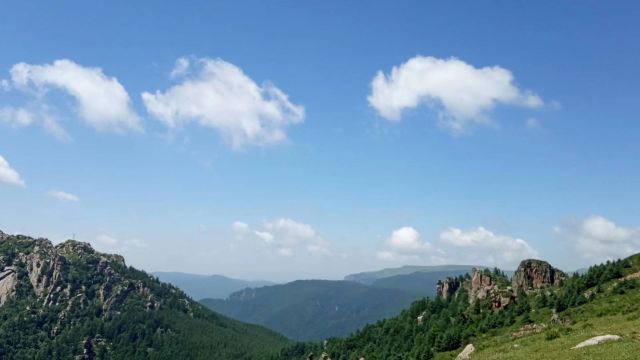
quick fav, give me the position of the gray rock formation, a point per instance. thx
(466, 352)
(8, 282)
(597, 340)
(533, 275)
(484, 286)
(447, 288)
(46, 269)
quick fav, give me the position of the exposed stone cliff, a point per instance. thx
(448, 287)
(484, 285)
(535, 274)
(70, 273)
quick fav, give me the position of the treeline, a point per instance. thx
(436, 325)
(81, 325)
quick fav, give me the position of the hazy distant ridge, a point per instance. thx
(207, 286)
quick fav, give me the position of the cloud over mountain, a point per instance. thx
(599, 238)
(284, 236)
(455, 246)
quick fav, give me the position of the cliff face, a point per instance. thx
(448, 287)
(69, 301)
(484, 285)
(535, 274)
(70, 273)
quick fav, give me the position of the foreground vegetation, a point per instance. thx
(596, 303)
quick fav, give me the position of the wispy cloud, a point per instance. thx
(8, 175)
(286, 236)
(64, 196)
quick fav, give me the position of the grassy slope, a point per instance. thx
(616, 314)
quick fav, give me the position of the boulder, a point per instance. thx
(597, 340)
(466, 352)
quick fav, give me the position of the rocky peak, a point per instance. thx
(70, 273)
(72, 247)
(535, 274)
(448, 287)
(3, 235)
(481, 284)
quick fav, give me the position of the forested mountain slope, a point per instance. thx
(541, 313)
(313, 309)
(69, 301)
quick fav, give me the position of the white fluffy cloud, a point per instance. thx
(216, 94)
(483, 247)
(64, 196)
(285, 236)
(599, 238)
(462, 93)
(404, 242)
(8, 175)
(455, 246)
(102, 101)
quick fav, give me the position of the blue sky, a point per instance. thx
(547, 166)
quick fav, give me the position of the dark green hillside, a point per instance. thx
(67, 300)
(313, 309)
(605, 300)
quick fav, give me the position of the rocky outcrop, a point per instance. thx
(466, 352)
(49, 271)
(448, 287)
(597, 340)
(533, 275)
(8, 282)
(483, 285)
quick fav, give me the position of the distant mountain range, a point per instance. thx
(319, 309)
(370, 277)
(313, 309)
(421, 284)
(207, 286)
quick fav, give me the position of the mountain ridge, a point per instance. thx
(368, 277)
(313, 309)
(213, 286)
(68, 298)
